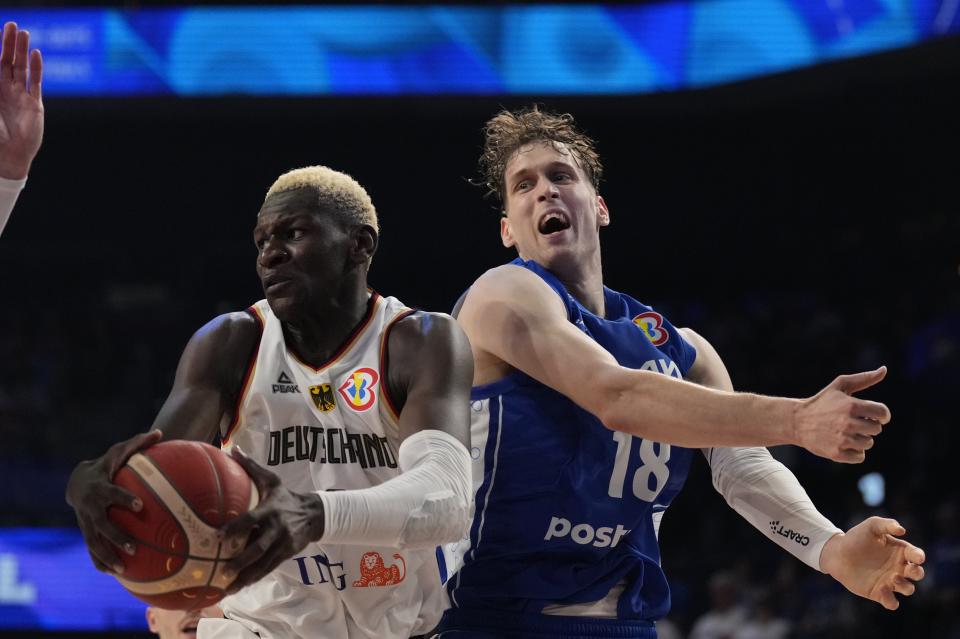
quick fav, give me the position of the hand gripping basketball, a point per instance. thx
(188, 490)
(91, 492)
(279, 527)
(838, 426)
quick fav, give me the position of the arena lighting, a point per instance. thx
(461, 50)
(872, 488)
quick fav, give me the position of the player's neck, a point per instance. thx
(584, 280)
(315, 337)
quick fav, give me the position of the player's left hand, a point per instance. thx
(21, 106)
(870, 561)
(280, 526)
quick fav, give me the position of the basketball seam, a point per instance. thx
(173, 517)
(220, 500)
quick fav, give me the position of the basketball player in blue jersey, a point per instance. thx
(584, 429)
(358, 405)
(21, 114)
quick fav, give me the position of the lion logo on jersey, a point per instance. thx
(373, 572)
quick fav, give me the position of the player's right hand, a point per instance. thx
(91, 491)
(21, 106)
(838, 426)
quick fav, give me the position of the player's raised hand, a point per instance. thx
(280, 526)
(838, 426)
(91, 491)
(21, 106)
(870, 561)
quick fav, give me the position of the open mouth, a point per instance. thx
(553, 223)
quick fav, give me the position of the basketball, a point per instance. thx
(189, 490)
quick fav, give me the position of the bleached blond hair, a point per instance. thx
(336, 192)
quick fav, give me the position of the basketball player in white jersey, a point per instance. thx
(357, 405)
(21, 114)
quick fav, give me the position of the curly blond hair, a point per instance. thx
(335, 191)
(508, 131)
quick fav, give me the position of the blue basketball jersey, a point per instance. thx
(567, 509)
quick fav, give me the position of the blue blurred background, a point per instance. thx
(455, 50)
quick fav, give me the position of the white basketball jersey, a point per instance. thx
(331, 428)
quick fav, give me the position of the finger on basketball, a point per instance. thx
(255, 550)
(262, 477)
(107, 565)
(259, 568)
(116, 496)
(240, 526)
(120, 540)
(119, 453)
(104, 556)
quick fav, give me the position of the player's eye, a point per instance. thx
(295, 234)
(561, 176)
(522, 185)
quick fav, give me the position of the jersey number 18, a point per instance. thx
(650, 478)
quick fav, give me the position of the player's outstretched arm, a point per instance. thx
(21, 113)
(512, 315)
(428, 374)
(207, 380)
(871, 561)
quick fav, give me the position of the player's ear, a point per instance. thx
(506, 234)
(365, 241)
(151, 619)
(603, 213)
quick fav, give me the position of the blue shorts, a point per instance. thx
(497, 624)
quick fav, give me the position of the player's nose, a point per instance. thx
(272, 253)
(548, 190)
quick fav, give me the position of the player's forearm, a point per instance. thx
(672, 411)
(9, 191)
(426, 505)
(769, 496)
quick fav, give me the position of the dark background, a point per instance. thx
(806, 224)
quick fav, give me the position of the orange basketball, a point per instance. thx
(189, 490)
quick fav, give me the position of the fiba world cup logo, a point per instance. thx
(358, 389)
(651, 323)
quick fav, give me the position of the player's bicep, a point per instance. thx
(513, 315)
(438, 372)
(708, 369)
(203, 390)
